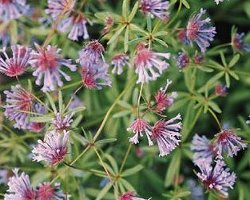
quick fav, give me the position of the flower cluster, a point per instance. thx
(20, 189)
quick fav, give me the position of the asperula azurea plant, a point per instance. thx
(124, 100)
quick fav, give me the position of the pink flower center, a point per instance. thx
(209, 182)
(48, 59)
(145, 7)
(224, 135)
(45, 192)
(96, 47)
(237, 43)
(158, 129)
(59, 155)
(162, 101)
(25, 101)
(143, 56)
(88, 79)
(127, 196)
(192, 30)
(139, 125)
(5, 1)
(15, 69)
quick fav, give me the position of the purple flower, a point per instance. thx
(162, 100)
(200, 31)
(19, 187)
(239, 44)
(217, 178)
(75, 24)
(118, 62)
(62, 123)
(139, 127)
(221, 90)
(182, 60)
(18, 103)
(148, 64)
(52, 149)
(167, 135)
(203, 149)
(130, 196)
(12, 9)
(17, 64)
(59, 7)
(46, 191)
(157, 8)
(198, 59)
(47, 63)
(228, 142)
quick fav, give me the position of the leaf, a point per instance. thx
(51, 101)
(234, 60)
(136, 28)
(133, 12)
(125, 7)
(185, 3)
(115, 36)
(227, 80)
(126, 39)
(132, 170)
(214, 106)
(104, 191)
(106, 141)
(127, 185)
(223, 59)
(122, 114)
(41, 119)
(60, 101)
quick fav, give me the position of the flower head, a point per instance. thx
(157, 8)
(139, 127)
(130, 196)
(75, 24)
(118, 62)
(17, 64)
(200, 31)
(221, 90)
(167, 135)
(148, 64)
(47, 63)
(182, 60)
(217, 178)
(162, 100)
(52, 149)
(62, 123)
(203, 149)
(12, 9)
(46, 191)
(228, 142)
(59, 7)
(19, 187)
(239, 44)
(18, 103)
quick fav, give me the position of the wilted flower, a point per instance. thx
(200, 31)
(139, 127)
(59, 7)
(157, 8)
(198, 59)
(37, 127)
(19, 187)
(239, 44)
(221, 90)
(62, 123)
(16, 65)
(228, 142)
(203, 149)
(47, 63)
(162, 100)
(182, 60)
(148, 64)
(18, 104)
(130, 196)
(52, 149)
(46, 191)
(167, 134)
(75, 24)
(12, 9)
(217, 178)
(118, 62)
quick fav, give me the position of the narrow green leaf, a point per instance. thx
(234, 60)
(41, 119)
(125, 7)
(126, 39)
(51, 101)
(115, 36)
(104, 191)
(133, 12)
(60, 101)
(223, 59)
(185, 3)
(131, 171)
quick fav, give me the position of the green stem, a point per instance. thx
(176, 15)
(125, 157)
(215, 117)
(138, 101)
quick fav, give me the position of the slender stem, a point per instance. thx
(215, 117)
(126, 157)
(72, 97)
(138, 101)
(176, 15)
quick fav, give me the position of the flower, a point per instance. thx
(62, 123)
(182, 36)
(182, 60)
(218, 1)
(46, 191)
(52, 149)
(198, 59)
(148, 64)
(108, 22)
(47, 64)
(162, 100)
(157, 8)
(130, 196)
(37, 127)
(203, 149)
(138, 127)
(12, 9)
(239, 44)
(167, 135)
(17, 64)
(228, 142)
(118, 62)
(221, 90)
(216, 178)
(59, 7)
(200, 31)
(19, 187)
(18, 103)
(75, 24)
